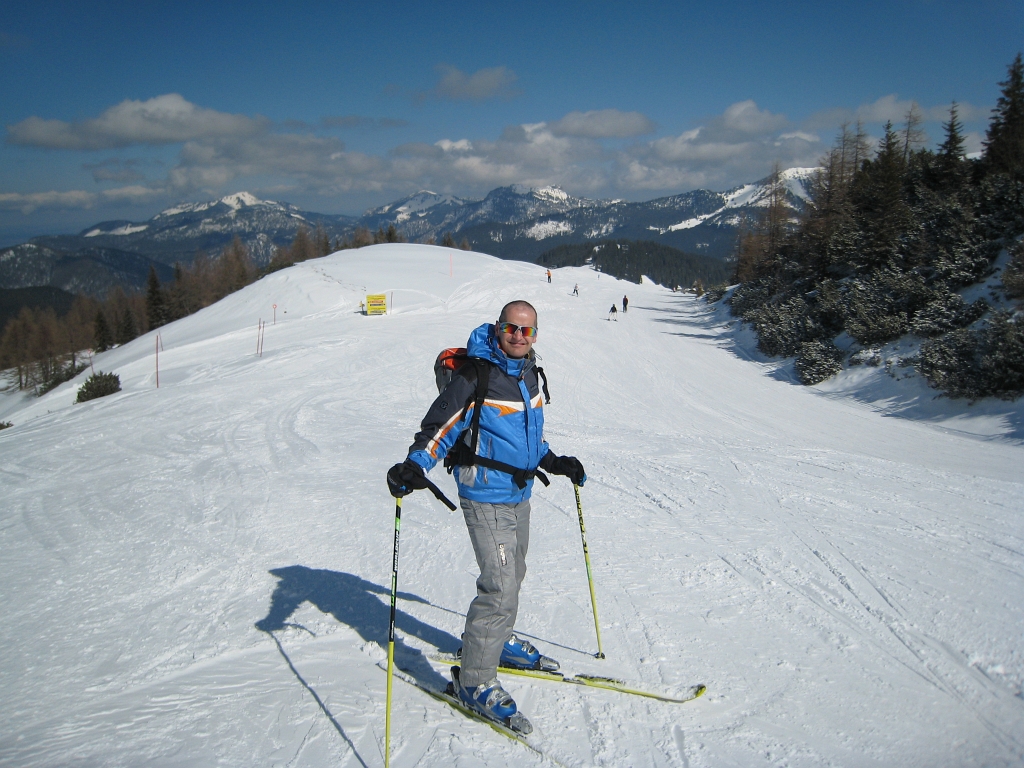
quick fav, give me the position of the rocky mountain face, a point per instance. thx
(510, 222)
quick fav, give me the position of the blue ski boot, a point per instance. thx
(520, 654)
(493, 702)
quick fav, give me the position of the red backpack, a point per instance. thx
(447, 363)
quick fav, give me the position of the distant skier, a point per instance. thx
(549, 275)
(494, 482)
(613, 314)
(625, 303)
(576, 290)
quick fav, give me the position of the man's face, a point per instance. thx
(515, 345)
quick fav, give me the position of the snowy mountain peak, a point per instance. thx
(234, 201)
(241, 199)
(416, 202)
(795, 180)
(551, 193)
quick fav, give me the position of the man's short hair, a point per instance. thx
(519, 303)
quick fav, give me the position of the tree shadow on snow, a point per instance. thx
(355, 602)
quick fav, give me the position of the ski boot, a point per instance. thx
(493, 702)
(520, 654)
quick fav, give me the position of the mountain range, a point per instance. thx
(512, 222)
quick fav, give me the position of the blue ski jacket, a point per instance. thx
(511, 423)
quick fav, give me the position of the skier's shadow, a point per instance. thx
(353, 601)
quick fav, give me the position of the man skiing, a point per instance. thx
(494, 471)
(625, 303)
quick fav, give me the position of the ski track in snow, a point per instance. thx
(199, 574)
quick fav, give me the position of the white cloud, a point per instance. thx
(603, 124)
(891, 108)
(487, 83)
(740, 144)
(462, 145)
(167, 119)
(745, 117)
(132, 194)
(27, 203)
(812, 137)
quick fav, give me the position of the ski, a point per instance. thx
(453, 701)
(608, 683)
(593, 681)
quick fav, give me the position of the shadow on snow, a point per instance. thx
(357, 603)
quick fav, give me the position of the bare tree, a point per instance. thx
(913, 136)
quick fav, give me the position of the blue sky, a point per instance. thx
(117, 110)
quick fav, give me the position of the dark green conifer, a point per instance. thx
(126, 327)
(156, 300)
(1004, 141)
(953, 145)
(101, 331)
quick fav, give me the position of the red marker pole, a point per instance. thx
(156, 343)
(275, 314)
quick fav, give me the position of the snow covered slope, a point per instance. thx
(198, 574)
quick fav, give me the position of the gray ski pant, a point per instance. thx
(500, 534)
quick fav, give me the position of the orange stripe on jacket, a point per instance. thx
(435, 441)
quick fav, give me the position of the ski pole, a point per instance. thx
(590, 577)
(391, 634)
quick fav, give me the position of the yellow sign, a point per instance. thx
(377, 304)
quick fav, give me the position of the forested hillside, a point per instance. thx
(631, 259)
(892, 237)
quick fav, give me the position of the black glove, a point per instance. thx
(569, 466)
(405, 478)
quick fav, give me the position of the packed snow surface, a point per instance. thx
(199, 574)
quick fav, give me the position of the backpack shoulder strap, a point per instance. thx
(543, 384)
(483, 372)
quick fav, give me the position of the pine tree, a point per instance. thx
(1004, 141)
(156, 300)
(101, 332)
(448, 241)
(127, 329)
(949, 165)
(879, 199)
